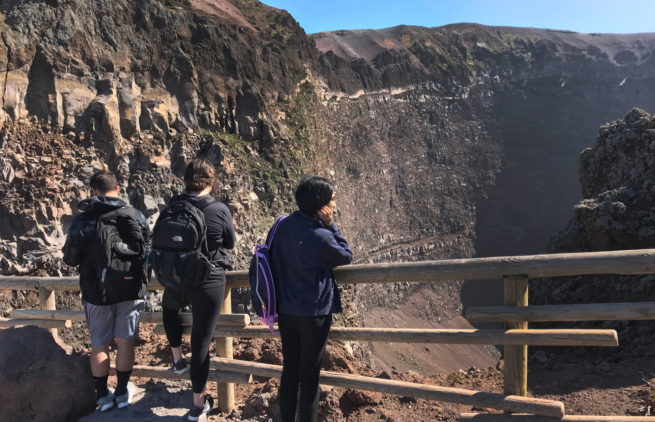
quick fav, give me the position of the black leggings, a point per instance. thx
(206, 303)
(303, 345)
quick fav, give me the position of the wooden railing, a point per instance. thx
(516, 314)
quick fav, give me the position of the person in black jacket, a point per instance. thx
(207, 299)
(305, 249)
(112, 311)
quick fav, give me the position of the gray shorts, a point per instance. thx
(120, 320)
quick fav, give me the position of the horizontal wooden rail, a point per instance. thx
(594, 338)
(167, 373)
(6, 323)
(70, 283)
(422, 391)
(42, 323)
(639, 261)
(21, 283)
(503, 417)
(544, 313)
(533, 266)
(73, 283)
(224, 320)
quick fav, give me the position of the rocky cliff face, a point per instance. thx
(141, 86)
(112, 69)
(443, 142)
(616, 212)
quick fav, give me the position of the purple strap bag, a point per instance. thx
(262, 286)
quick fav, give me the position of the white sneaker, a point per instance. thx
(106, 402)
(124, 400)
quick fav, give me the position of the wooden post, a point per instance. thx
(516, 357)
(48, 302)
(225, 390)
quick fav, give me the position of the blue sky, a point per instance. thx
(605, 16)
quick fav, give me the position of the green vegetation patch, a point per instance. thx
(297, 116)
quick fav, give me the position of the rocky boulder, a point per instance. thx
(618, 181)
(39, 381)
(616, 213)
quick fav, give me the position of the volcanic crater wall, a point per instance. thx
(486, 144)
(443, 142)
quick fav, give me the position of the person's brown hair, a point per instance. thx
(103, 182)
(198, 175)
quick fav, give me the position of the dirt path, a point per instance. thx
(588, 381)
(153, 401)
(587, 385)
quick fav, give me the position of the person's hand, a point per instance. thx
(325, 215)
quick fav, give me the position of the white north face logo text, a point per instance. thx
(177, 238)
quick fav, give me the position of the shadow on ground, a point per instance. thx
(153, 401)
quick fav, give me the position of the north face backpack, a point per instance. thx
(262, 286)
(179, 253)
(120, 250)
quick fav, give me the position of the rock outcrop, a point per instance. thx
(616, 213)
(39, 381)
(618, 182)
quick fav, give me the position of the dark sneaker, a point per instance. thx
(180, 366)
(125, 399)
(197, 412)
(106, 402)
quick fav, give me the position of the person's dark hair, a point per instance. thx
(103, 181)
(198, 175)
(313, 193)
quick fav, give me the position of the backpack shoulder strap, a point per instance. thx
(126, 220)
(125, 211)
(271, 234)
(199, 216)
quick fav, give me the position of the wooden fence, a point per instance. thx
(516, 314)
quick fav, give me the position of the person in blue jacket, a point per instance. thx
(306, 247)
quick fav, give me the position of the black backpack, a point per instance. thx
(180, 254)
(120, 251)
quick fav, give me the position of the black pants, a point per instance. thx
(303, 345)
(206, 303)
